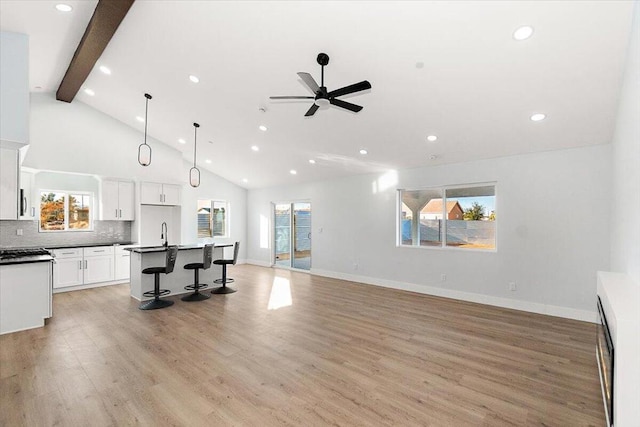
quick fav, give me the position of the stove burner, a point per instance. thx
(22, 253)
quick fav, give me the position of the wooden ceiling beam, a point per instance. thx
(103, 24)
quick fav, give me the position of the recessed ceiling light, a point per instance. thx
(313, 162)
(208, 161)
(432, 138)
(64, 7)
(194, 79)
(293, 172)
(363, 151)
(523, 33)
(538, 116)
(245, 180)
(140, 119)
(105, 70)
(263, 128)
(255, 148)
(89, 92)
(182, 141)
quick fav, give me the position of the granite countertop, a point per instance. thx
(148, 249)
(88, 245)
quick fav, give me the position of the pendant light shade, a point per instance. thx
(144, 150)
(194, 172)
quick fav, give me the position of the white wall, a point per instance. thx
(553, 231)
(14, 87)
(625, 218)
(77, 138)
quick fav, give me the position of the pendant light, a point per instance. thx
(144, 150)
(194, 172)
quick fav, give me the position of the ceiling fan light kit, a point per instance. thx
(144, 150)
(324, 98)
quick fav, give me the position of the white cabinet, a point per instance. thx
(152, 193)
(68, 268)
(9, 182)
(14, 88)
(122, 260)
(117, 200)
(83, 266)
(98, 264)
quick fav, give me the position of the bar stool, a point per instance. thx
(156, 302)
(224, 262)
(207, 256)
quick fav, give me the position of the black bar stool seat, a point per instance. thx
(224, 289)
(207, 256)
(156, 302)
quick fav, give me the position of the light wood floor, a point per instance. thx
(341, 354)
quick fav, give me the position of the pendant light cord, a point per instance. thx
(195, 142)
(146, 112)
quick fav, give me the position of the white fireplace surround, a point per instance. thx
(620, 302)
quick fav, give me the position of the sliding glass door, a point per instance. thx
(292, 236)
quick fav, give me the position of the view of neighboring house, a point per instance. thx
(433, 210)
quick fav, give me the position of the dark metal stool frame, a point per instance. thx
(207, 257)
(156, 302)
(224, 289)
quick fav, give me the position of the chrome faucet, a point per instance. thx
(164, 234)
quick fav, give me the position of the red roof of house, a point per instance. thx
(435, 206)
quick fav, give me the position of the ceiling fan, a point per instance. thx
(322, 97)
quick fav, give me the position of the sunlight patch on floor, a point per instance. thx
(280, 294)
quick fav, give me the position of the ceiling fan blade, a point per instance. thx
(356, 87)
(310, 82)
(292, 97)
(344, 104)
(312, 110)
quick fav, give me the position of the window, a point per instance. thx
(458, 217)
(213, 218)
(62, 211)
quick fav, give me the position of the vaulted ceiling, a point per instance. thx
(449, 69)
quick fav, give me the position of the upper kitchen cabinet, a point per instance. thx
(117, 200)
(14, 89)
(152, 193)
(9, 182)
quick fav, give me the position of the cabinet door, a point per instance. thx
(151, 193)
(122, 261)
(9, 174)
(98, 269)
(126, 201)
(171, 194)
(110, 200)
(67, 272)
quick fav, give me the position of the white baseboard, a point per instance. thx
(257, 262)
(532, 307)
(89, 286)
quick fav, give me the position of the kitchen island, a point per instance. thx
(155, 256)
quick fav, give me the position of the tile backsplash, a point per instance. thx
(106, 232)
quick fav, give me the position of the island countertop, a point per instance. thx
(148, 249)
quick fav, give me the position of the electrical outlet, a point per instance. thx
(512, 286)
(19, 232)
(443, 277)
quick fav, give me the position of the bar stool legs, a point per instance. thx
(196, 295)
(156, 302)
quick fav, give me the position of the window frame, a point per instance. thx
(227, 219)
(67, 193)
(443, 237)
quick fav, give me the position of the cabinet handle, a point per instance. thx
(160, 198)
(33, 211)
(85, 264)
(68, 253)
(79, 265)
(120, 210)
(116, 213)
(102, 250)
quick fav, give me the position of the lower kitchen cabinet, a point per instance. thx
(122, 264)
(88, 266)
